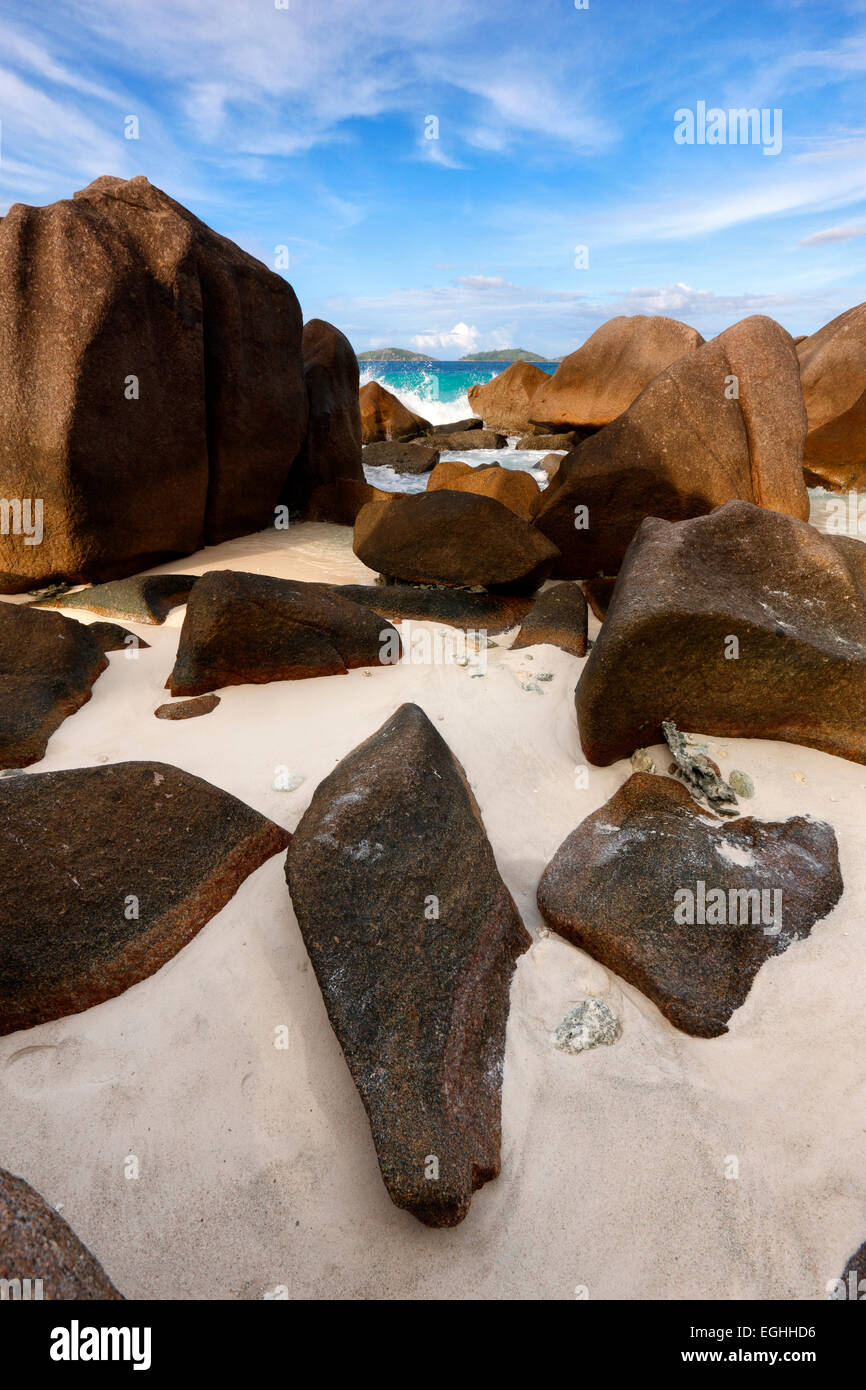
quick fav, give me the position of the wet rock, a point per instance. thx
(683, 907)
(558, 617)
(591, 1024)
(384, 416)
(109, 872)
(48, 664)
(145, 598)
(725, 421)
(515, 489)
(448, 537)
(37, 1244)
(744, 623)
(504, 402)
(244, 629)
(188, 709)
(403, 458)
(458, 426)
(413, 937)
(459, 608)
(566, 440)
(468, 439)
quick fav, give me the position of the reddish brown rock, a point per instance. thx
(599, 593)
(188, 709)
(151, 388)
(413, 937)
(504, 402)
(451, 537)
(331, 453)
(595, 384)
(684, 447)
(48, 664)
(383, 416)
(109, 872)
(559, 617)
(113, 638)
(793, 601)
(36, 1244)
(247, 629)
(515, 489)
(412, 457)
(833, 376)
(145, 598)
(645, 885)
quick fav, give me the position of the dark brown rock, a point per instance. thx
(619, 888)
(242, 629)
(514, 488)
(145, 598)
(684, 447)
(854, 1276)
(595, 384)
(599, 593)
(332, 448)
(458, 426)
(467, 439)
(833, 376)
(448, 537)
(188, 709)
(504, 403)
(81, 849)
(384, 416)
(461, 608)
(558, 617)
(413, 937)
(403, 458)
(341, 502)
(113, 638)
(121, 282)
(47, 665)
(794, 600)
(565, 440)
(37, 1244)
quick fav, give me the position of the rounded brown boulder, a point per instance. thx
(833, 376)
(514, 488)
(332, 448)
(449, 537)
(504, 402)
(384, 416)
(595, 384)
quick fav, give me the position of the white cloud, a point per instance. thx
(832, 234)
(461, 336)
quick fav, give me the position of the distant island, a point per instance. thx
(508, 355)
(393, 355)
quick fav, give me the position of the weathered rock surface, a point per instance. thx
(558, 616)
(467, 439)
(332, 448)
(244, 629)
(566, 440)
(792, 599)
(633, 882)
(188, 709)
(595, 384)
(36, 1243)
(48, 664)
(599, 592)
(109, 872)
(413, 937)
(516, 490)
(113, 638)
(403, 458)
(459, 608)
(145, 598)
(685, 447)
(384, 416)
(449, 537)
(833, 376)
(151, 387)
(504, 402)
(458, 426)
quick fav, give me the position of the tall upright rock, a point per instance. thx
(151, 384)
(332, 449)
(833, 374)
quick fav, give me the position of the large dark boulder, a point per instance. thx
(743, 623)
(448, 537)
(645, 885)
(48, 664)
(244, 629)
(332, 448)
(109, 872)
(725, 421)
(411, 457)
(151, 384)
(504, 403)
(413, 937)
(559, 617)
(833, 376)
(36, 1244)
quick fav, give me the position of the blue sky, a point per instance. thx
(306, 127)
